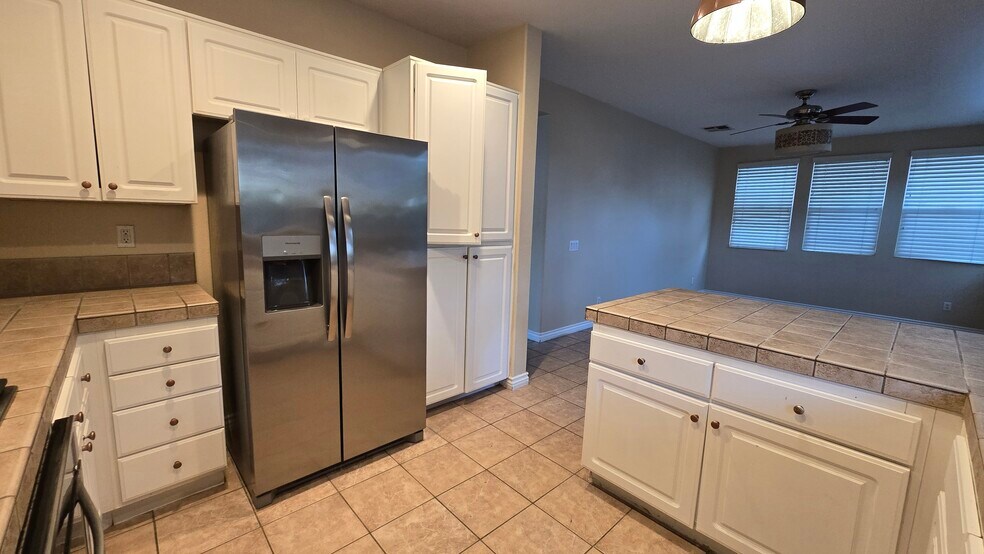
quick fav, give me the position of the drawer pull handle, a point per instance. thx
(641, 361)
(86, 378)
(167, 349)
(694, 417)
(177, 465)
(715, 424)
(91, 436)
(169, 383)
(174, 421)
(87, 447)
(80, 417)
(799, 410)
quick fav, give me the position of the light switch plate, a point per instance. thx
(125, 237)
(575, 246)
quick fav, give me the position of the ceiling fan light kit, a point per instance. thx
(736, 21)
(803, 140)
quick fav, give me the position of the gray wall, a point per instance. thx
(636, 195)
(880, 284)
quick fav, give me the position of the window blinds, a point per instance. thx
(943, 210)
(846, 200)
(763, 205)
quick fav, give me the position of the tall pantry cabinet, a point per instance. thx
(471, 130)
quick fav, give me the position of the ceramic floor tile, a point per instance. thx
(253, 542)
(577, 427)
(583, 508)
(138, 540)
(534, 527)
(530, 473)
(455, 423)
(488, 446)
(552, 384)
(443, 468)
(637, 534)
(324, 526)
(231, 483)
(573, 373)
(558, 411)
(563, 447)
(365, 545)
(546, 363)
(431, 528)
(491, 407)
(483, 503)
(207, 524)
(569, 355)
(385, 497)
(524, 396)
(577, 395)
(478, 548)
(408, 451)
(526, 427)
(362, 470)
(296, 499)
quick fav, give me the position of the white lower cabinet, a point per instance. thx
(765, 488)
(645, 439)
(447, 281)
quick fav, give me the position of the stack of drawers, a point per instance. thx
(166, 397)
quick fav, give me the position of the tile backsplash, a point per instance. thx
(30, 276)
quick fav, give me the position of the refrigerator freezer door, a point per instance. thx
(382, 185)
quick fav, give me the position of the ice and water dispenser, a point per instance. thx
(291, 272)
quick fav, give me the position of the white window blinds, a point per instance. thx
(943, 210)
(763, 205)
(846, 200)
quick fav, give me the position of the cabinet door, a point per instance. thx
(765, 488)
(498, 195)
(141, 97)
(47, 145)
(447, 275)
(337, 92)
(449, 113)
(489, 313)
(641, 438)
(231, 69)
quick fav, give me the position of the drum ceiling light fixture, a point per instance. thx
(736, 21)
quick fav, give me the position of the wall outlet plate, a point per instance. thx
(947, 306)
(125, 237)
(575, 246)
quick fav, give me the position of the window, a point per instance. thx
(943, 210)
(846, 199)
(763, 205)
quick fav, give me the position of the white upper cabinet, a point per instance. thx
(232, 69)
(489, 315)
(47, 147)
(141, 95)
(444, 106)
(498, 197)
(337, 92)
(447, 276)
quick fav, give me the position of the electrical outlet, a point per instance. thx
(947, 306)
(693, 281)
(598, 300)
(574, 246)
(125, 237)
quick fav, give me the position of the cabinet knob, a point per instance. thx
(694, 417)
(641, 361)
(474, 256)
(87, 447)
(87, 184)
(799, 410)
(464, 256)
(169, 383)
(177, 465)
(174, 421)
(167, 349)
(113, 186)
(86, 378)
(476, 235)
(715, 424)
(80, 417)
(91, 436)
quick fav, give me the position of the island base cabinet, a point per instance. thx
(765, 488)
(644, 439)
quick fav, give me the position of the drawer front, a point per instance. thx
(657, 364)
(152, 385)
(156, 349)
(148, 426)
(155, 469)
(873, 429)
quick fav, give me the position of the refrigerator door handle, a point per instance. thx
(332, 307)
(349, 267)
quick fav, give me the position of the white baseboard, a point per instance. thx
(517, 381)
(548, 335)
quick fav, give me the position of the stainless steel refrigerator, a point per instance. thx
(319, 261)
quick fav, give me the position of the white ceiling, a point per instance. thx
(921, 61)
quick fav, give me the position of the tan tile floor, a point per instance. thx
(496, 472)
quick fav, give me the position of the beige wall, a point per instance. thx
(879, 284)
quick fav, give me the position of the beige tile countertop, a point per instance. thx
(35, 334)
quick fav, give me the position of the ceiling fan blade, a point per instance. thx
(763, 127)
(849, 108)
(773, 115)
(850, 119)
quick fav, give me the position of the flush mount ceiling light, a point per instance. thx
(734, 21)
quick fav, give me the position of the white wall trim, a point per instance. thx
(548, 335)
(517, 381)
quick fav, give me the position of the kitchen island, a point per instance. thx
(798, 428)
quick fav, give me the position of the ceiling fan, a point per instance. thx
(808, 126)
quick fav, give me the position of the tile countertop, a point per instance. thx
(35, 334)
